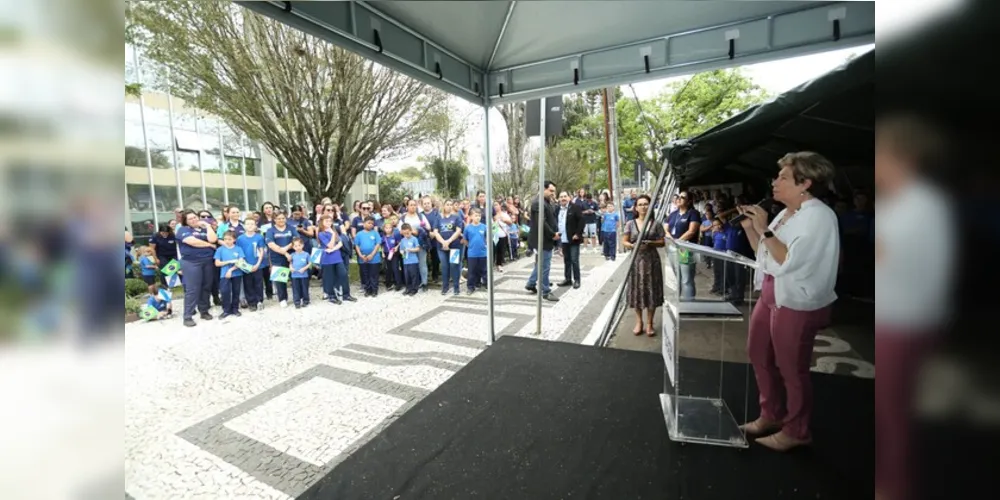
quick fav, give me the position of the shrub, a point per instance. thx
(132, 305)
(135, 287)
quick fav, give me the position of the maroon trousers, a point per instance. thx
(899, 356)
(780, 345)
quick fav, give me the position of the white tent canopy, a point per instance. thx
(526, 50)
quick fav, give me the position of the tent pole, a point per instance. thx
(490, 250)
(607, 141)
(615, 172)
(540, 221)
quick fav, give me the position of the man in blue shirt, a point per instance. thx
(736, 274)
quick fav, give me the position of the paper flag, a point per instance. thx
(171, 268)
(148, 313)
(316, 255)
(165, 294)
(174, 281)
(280, 274)
(244, 266)
(456, 256)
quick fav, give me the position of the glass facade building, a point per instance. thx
(177, 156)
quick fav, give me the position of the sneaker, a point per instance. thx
(350, 299)
(335, 300)
(576, 285)
(224, 316)
(444, 292)
(283, 304)
(298, 306)
(237, 314)
(471, 291)
(551, 298)
(206, 316)
(188, 322)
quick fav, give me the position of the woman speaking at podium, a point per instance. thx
(797, 257)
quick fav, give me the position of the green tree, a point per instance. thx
(411, 174)
(446, 126)
(325, 113)
(450, 175)
(563, 167)
(513, 175)
(390, 189)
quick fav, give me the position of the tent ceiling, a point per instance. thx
(534, 49)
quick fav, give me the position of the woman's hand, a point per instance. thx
(627, 245)
(756, 218)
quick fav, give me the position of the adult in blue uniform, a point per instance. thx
(197, 242)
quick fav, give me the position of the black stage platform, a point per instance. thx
(530, 419)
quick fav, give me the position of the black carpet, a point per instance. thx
(530, 419)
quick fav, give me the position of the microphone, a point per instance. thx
(765, 204)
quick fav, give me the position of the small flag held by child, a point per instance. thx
(455, 257)
(315, 256)
(244, 266)
(174, 281)
(148, 313)
(171, 268)
(280, 274)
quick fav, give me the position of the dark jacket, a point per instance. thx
(574, 223)
(550, 225)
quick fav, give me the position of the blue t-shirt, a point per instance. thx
(389, 241)
(358, 224)
(720, 240)
(591, 218)
(433, 220)
(145, 263)
(328, 258)
(306, 224)
(159, 305)
(224, 253)
(679, 224)
(192, 254)
(475, 235)
(406, 244)
(250, 245)
(225, 227)
(367, 241)
(736, 240)
(300, 260)
(447, 226)
(628, 205)
(282, 238)
(609, 222)
(166, 247)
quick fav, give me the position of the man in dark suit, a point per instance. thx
(550, 235)
(570, 224)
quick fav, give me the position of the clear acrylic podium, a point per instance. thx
(693, 401)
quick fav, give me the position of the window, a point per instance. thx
(139, 198)
(192, 198)
(252, 166)
(370, 177)
(210, 162)
(156, 116)
(141, 225)
(280, 171)
(187, 140)
(255, 199)
(232, 145)
(135, 146)
(166, 200)
(160, 146)
(236, 198)
(251, 149)
(295, 199)
(215, 199)
(184, 119)
(187, 160)
(233, 166)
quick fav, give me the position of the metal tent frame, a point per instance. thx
(495, 52)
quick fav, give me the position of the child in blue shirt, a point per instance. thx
(609, 232)
(300, 266)
(253, 247)
(393, 259)
(368, 246)
(719, 239)
(161, 302)
(147, 264)
(514, 239)
(226, 258)
(409, 246)
(475, 241)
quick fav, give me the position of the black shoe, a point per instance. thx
(532, 290)
(549, 297)
(206, 316)
(350, 299)
(298, 306)
(576, 285)
(471, 291)
(444, 292)
(237, 314)
(457, 293)
(188, 322)
(565, 283)
(398, 288)
(423, 288)
(335, 300)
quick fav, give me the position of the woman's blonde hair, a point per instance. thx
(810, 166)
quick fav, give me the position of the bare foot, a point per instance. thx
(650, 332)
(637, 330)
(782, 442)
(761, 426)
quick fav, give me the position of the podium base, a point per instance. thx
(701, 420)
